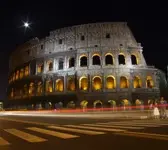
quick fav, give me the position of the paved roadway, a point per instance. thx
(62, 133)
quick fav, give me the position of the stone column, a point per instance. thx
(54, 65)
(116, 59)
(103, 82)
(143, 78)
(65, 82)
(89, 60)
(103, 59)
(77, 61)
(66, 62)
(90, 83)
(130, 79)
(45, 66)
(43, 85)
(117, 80)
(155, 79)
(36, 68)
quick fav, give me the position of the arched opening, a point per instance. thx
(21, 73)
(12, 93)
(137, 83)
(125, 103)
(134, 60)
(71, 84)
(60, 64)
(150, 102)
(121, 59)
(123, 82)
(40, 68)
(25, 90)
(110, 82)
(39, 88)
(71, 62)
(50, 65)
(71, 104)
(31, 89)
(149, 82)
(83, 83)
(111, 103)
(97, 83)
(96, 59)
(84, 104)
(98, 104)
(13, 77)
(59, 87)
(49, 86)
(26, 70)
(60, 104)
(83, 61)
(17, 75)
(138, 102)
(109, 59)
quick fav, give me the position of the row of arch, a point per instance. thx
(109, 59)
(96, 60)
(19, 74)
(97, 84)
(83, 59)
(109, 103)
(124, 104)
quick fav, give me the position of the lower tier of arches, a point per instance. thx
(85, 100)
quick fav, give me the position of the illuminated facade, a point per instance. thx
(90, 65)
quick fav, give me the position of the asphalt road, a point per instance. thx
(64, 133)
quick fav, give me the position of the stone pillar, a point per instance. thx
(90, 83)
(116, 59)
(117, 81)
(103, 59)
(89, 60)
(66, 62)
(130, 79)
(43, 85)
(54, 65)
(77, 61)
(29, 71)
(45, 66)
(143, 78)
(103, 82)
(155, 79)
(65, 82)
(53, 84)
(128, 59)
(36, 68)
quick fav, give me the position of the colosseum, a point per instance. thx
(90, 65)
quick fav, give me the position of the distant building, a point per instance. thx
(90, 65)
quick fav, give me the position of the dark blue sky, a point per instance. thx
(148, 22)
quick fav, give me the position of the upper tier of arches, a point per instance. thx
(75, 62)
(114, 35)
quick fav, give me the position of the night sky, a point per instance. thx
(148, 22)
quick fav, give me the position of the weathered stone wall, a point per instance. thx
(88, 40)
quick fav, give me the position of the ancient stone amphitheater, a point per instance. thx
(89, 65)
